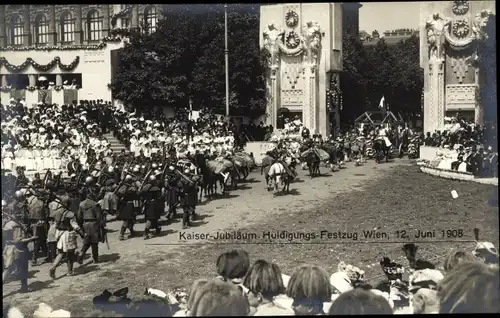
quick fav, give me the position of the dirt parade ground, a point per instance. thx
(356, 215)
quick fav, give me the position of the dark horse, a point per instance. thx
(381, 150)
(207, 185)
(313, 161)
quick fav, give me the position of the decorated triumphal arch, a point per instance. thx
(304, 46)
(452, 32)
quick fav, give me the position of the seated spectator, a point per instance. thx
(194, 293)
(425, 301)
(471, 287)
(309, 287)
(233, 265)
(264, 282)
(360, 302)
(220, 298)
(455, 258)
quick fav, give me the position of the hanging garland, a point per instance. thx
(121, 14)
(100, 46)
(39, 67)
(460, 28)
(460, 7)
(291, 19)
(292, 40)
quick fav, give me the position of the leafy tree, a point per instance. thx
(408, 81)
(352, 78)
(141, 79)
(246, 73)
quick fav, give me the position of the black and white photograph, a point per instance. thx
(249, 159)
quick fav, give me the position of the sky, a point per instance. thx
(383, 16)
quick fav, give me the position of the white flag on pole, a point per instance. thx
(381, 104)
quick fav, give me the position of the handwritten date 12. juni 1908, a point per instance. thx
(429, 234)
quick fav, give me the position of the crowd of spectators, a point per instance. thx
(466, 147)
(42, 137)
(46, 136)
(466, 282)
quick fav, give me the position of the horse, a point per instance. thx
(207, 185)
(277, 173)
(313, 161)
(222, 176)
(381, 150)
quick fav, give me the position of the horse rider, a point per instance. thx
(67, 229)
(190, 193)
(153, 206)
(126, 211)
(16, 238)
(90, 217)
(172, 192)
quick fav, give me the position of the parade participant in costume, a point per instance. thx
(189, 191)
(91, 218)
(172, 192)
(16, 239)
(67, 229)
(37, 209)
(108, 198)
(127, 194)
(153, 206)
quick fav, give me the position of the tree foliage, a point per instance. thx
(370, 72)
(185, 59)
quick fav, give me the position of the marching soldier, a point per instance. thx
(190, 194)
(153, 206)
(37, 210)
(109, 200)
(37, 182)
(90, 216)
(127, 194)
(172, 192)
(66, 230)
(16, 238)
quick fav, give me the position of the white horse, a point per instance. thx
(278, 174)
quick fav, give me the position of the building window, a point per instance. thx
(94, 25)
(41, 30)
(67, 28)
(150, 17)
(16, 31)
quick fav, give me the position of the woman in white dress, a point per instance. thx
(30, 160)
(37, 155)
(133, 144)
(7, 156)
(47, 160)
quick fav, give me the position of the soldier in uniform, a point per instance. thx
(172, 192)
(109, 200)
(190, 193)
(37, 182)
(66, 230)
(37, 210)
(16, 252)
(127, 194)
(153, 206)
(90, 217)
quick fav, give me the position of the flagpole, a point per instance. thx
(226, 53)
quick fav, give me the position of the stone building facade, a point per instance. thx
(65, 52)
(451, 33)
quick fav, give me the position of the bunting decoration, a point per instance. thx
(39, 67)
